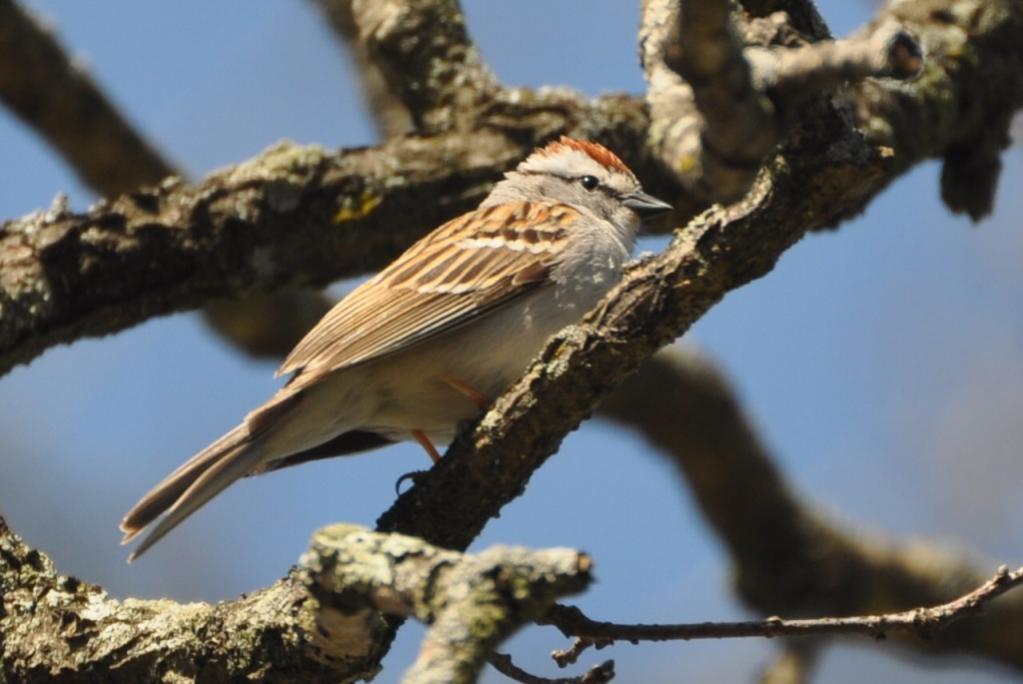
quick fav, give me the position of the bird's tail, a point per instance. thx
(193, 484)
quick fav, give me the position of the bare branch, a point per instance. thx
(55, 95)
(323, 623)
(924, 623)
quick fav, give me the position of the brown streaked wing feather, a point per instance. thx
(461, 270)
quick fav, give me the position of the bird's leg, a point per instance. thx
(425, 442)
(466, 390)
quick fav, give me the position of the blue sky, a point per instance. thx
(881, 363)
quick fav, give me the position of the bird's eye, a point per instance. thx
(589, 182)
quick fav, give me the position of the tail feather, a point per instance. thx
(162, 496)
(192, 485)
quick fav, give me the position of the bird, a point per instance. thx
(433, 338)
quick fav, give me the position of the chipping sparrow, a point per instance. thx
(429, 341)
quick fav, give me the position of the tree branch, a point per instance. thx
(324, 622)
(57, 628)
(598, 674)
(924, 623)
(54, 95)
(472, 603)
(422, 51)
(388, 113)
(719, 107)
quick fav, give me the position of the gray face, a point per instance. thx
(575, 178)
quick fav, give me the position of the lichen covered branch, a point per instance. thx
(58, 628)
(323, 623)
(471, 603)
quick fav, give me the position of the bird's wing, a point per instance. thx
(467, 267)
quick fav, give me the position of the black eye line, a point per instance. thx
(610, 192)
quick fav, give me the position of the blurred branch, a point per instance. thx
(924, 623)
(388, 113)
(787, 557)
(54, 95)
(267, 325)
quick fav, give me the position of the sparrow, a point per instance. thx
(432, 339)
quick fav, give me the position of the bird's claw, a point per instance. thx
(413, 475)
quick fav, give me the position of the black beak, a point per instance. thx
(647, 206)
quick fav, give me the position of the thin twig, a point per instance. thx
(569, 656)
(598, 674)
(925, 622)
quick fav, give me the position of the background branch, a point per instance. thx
(787, 557)
(54, 95)
(386, 110)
